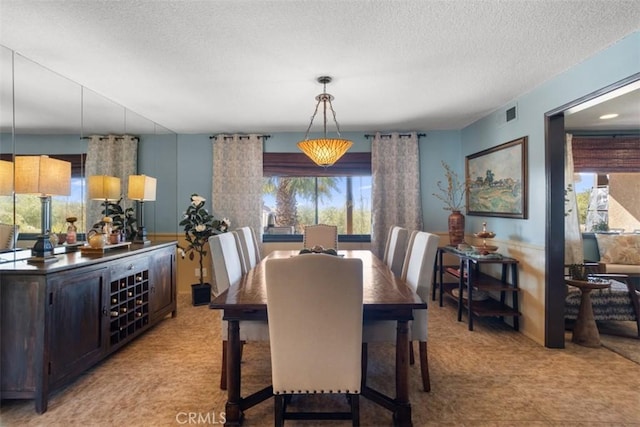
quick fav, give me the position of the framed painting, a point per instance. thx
(497, 180)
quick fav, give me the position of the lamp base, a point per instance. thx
(42, 260)
(42, 249)
(141, 237)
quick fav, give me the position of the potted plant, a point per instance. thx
(199, 225)
(453, 196)
(123, 219)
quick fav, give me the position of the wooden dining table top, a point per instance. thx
(382, 290)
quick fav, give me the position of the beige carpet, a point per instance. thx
(492, 376)
(621, 337)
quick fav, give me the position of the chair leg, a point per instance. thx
(424, 366)
(363, 380)
(223, 367)
(412, 358)
(355, 410)
(278, 410)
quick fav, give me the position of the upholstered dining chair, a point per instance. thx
(8, 235)
(309, 298)
(226, 260)
(249, 245)
(417, 272)
(396, 248)
(320, 235)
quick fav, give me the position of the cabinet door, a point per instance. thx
(163, 282)
(76, 306)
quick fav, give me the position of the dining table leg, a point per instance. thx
(402, 415)
(233, 411)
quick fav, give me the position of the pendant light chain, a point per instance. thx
(324, 151)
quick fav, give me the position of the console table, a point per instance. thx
(470, 278)
(61, 318)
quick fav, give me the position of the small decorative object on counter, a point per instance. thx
(72, 231)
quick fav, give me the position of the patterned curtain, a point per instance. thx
(237, 180)
(112, 155)
(573, 253)
(395, 169)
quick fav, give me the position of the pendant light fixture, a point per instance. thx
(324, 151)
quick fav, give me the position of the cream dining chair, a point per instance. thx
(249, 245)
(396, 249)
(226, 260)
(417, 272)
(320, 235)
(309, 299)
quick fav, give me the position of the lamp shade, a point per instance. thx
(324, 152)
(6, 178)
(42, 175)
(142, 188)
(104, 187)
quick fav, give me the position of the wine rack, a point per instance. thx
(128, 305)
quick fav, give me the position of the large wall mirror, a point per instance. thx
(44, 113)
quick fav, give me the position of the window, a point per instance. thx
(28, 206)
(297, 192)
(606, 179)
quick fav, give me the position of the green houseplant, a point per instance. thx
(199, 225)
(123, 219)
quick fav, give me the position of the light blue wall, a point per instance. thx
(186, 169)
(607, 67)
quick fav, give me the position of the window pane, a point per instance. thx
(29, 208)
(337, 200)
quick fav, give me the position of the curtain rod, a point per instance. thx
(106, 137)
(386, 135)
(239, 136)
(605, 135)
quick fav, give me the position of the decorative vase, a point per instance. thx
(200, 294)
(456, 228)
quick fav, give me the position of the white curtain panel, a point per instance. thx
(573, 253)
(396, 186)
(237, 180)
(113, 155)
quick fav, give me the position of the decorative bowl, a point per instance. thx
(485, 234)
(485, 249)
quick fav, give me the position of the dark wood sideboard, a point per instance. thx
(58, 319)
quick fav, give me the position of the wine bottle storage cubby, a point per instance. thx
(129, 305)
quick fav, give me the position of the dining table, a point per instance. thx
(385, 297)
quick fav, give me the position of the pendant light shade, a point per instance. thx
(324, 151)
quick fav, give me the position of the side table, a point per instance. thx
(585, 330)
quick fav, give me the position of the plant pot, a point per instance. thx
(456, 228)
(200, 294)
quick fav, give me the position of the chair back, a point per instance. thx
(8, 235)
(226, 261)
(396, 249)
(321, 234)
(250, 249)
(417, 272)
(314, 305)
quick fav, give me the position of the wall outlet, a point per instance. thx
(197, 272)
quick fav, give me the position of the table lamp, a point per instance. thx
(142, 188)
(104, 187)
(6, 178)
(44, 176)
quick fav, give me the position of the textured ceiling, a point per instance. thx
(251, 66)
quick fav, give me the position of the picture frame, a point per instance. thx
(497, 180)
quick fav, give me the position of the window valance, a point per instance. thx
(298, 164)
(606, 154)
